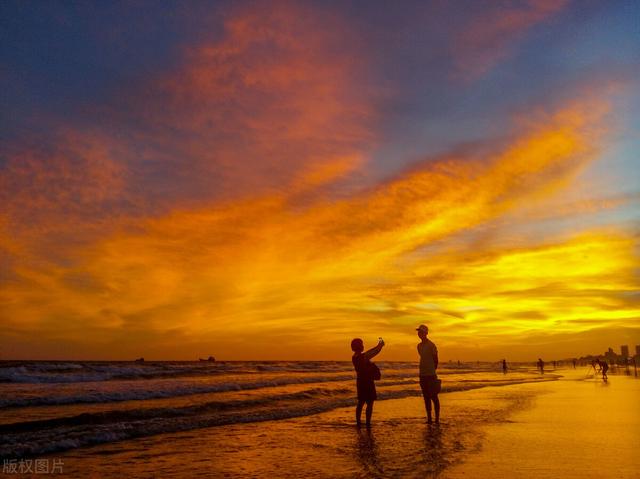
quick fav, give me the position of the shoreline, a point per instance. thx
(477, 438)
(400, 443)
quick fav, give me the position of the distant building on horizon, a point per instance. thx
(610, 356)
(624, 351)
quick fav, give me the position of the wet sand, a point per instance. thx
(564, 428)
(574, 429)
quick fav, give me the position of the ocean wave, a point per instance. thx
(50, 372)
(132, 394)
(54, 435)
(70, 372)
(147, 391)
(130, 415)
(96, 372)
(33, 438)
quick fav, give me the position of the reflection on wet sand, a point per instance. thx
(434, 456)
(367, 453)
(405, 450)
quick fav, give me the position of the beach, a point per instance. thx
(561, 425)
(574, 428)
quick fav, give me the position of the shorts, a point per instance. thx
(430, 386)
(366, 390)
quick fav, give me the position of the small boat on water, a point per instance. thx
(139, 360)
(210, 359)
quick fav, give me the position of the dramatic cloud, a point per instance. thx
(228, 204)
(276, 95)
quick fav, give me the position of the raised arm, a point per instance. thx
(373, 351)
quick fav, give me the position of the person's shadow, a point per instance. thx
(367, 451)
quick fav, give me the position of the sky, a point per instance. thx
(268, 180)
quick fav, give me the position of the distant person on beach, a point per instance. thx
(367, 373)
(541, 365)
(429, 382)
(574, 363)
(626, 365)
(604, 367)
(504, 366)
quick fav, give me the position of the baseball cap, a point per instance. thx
(422, 327)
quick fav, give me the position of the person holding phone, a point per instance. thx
(366, 375)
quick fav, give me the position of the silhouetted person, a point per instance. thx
(604, 367)
(365, 377)
(429, 382)
(554, 365)
(626, 366)
(504, 366)
(574, 363)
(541, 365)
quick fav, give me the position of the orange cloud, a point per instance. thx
(76, 171)
(275, 93)
(271, 103)
(262, 259)
(316, 273)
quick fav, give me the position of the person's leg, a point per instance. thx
(425, 395)
(359, 411)
(369, 412)
(436, 407)
(427, 402)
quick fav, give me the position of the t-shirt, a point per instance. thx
(428, 352)
(361, 364)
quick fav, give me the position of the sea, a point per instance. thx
(56, 406)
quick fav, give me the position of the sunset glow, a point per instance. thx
(276, 179)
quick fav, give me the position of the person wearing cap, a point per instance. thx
(429, 382)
